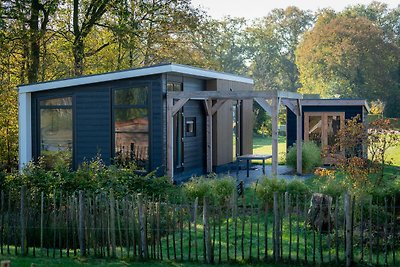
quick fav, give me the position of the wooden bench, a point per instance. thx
(248, 158)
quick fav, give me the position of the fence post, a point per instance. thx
(277, 229)
(286, 203)
(142, 227)
(41, 218)
(81, 231)
(112, 224)
(207, 231)
(196, 203)
(22, 220)
(348, 216)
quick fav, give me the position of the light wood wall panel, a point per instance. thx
(222, 123)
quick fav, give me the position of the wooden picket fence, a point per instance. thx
(134, 226)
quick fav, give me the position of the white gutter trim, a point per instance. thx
(170, 68)
(24, 129)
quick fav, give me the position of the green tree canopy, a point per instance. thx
(349, 57)
(273, 40)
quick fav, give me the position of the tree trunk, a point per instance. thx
(78, 52)
(34, 40)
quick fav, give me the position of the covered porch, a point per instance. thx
(212, 101)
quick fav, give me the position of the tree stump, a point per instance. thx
(319, 214)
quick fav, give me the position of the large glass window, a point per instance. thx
(131, 125)
(56, 130)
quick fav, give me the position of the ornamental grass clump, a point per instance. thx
(266, 188)
(217, 189)
(311, 156)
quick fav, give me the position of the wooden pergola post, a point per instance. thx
(208, 108)
(220, 98)
(275, 112)
(299, 141)
(170, 138)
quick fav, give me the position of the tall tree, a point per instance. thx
(86, 15)
(274, 39)
(225, 44)
(349, 57)
(149, 32)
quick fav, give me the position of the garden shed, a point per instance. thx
(175, 119)
(322, 118)
(123, 116)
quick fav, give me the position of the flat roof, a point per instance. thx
(335, 102)
(132, 73)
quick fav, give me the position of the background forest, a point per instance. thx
(353, 53)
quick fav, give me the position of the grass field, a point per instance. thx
(263, 145)
(75, 262)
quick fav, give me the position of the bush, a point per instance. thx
(267, 186)
(218, 190)
(311, 156)
(223, 188)
(92, 176)
(297, 187)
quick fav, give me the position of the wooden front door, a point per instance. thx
(322, 127)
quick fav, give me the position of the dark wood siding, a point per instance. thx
(93, 119)
(291, 129)
(194, 155)
(92, 125)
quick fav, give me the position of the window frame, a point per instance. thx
(146, 106)
(39, 107)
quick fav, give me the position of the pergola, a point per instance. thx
(213, 100)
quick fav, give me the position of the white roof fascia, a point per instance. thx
(132, 74)
(335, 102)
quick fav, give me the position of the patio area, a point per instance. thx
(256, 173)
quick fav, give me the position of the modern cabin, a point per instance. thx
(122, 116)
(322, 118)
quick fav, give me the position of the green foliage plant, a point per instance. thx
(311, 156)
(266, 188)
(217, 189)
(92, 177)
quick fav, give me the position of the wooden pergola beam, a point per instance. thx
(221, 97)
(263, 103)
(218, 105)
(289, 104)
(233, 95)
(178, 105)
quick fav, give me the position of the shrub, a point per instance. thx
(297, 187)
(197, 187)
(311, 156)
(218, 190)
(93, 176)
(267, 186)
(223, 188)
(333, 188)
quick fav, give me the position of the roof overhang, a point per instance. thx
(335, 102)
(132, 73)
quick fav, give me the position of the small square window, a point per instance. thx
(190, 126)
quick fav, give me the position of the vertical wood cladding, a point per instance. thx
(291, 129)
(222, 123)
(93, 122)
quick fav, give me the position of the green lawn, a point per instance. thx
(74, 262)
(263, 145)
(394, 153)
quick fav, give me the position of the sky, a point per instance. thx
(251, 9)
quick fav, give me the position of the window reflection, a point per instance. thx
(131, 126)
(56, 134)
